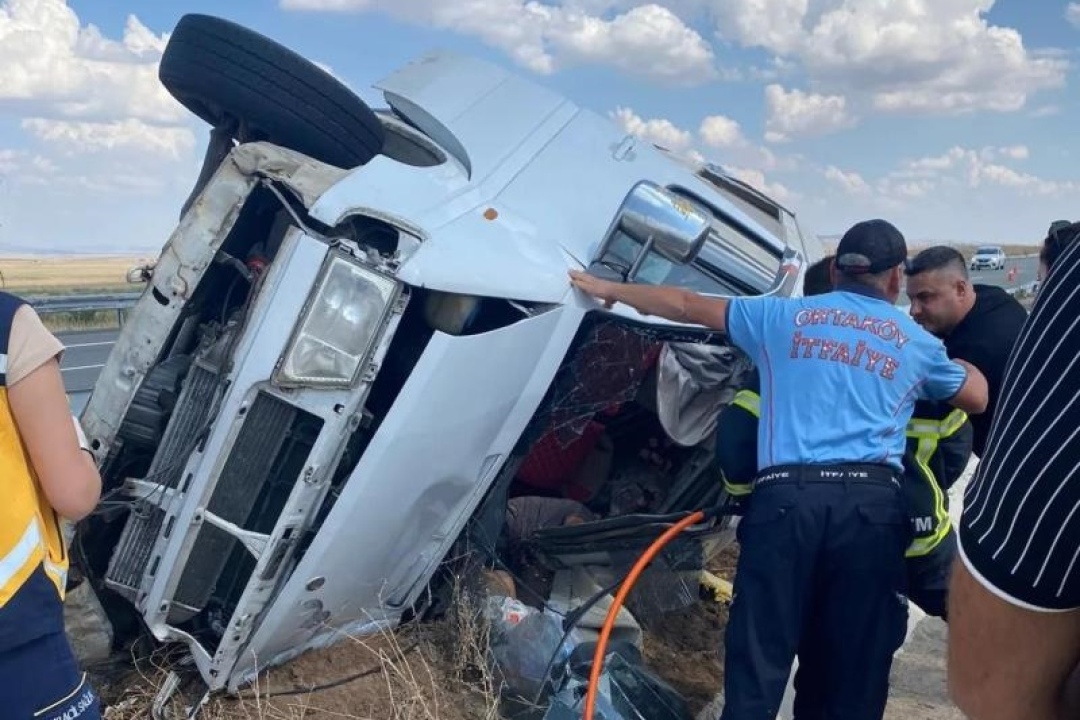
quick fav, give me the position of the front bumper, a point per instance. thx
(227, 519)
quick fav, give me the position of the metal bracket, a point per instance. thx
(254, 542)
(147, 491)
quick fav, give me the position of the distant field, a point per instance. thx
(66, 275)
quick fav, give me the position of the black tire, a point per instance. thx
(226, 73)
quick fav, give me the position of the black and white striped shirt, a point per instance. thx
(1020, 528)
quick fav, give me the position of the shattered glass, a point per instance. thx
(668, 584)
(606, 370)
(607, 367)
(627, 691)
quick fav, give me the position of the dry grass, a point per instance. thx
(437, 671)
(63, 275)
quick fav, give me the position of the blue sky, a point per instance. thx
(953, 118)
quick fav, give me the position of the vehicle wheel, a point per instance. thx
(230, 75)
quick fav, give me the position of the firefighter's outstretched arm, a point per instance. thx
(671, 303)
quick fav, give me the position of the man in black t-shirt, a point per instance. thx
(1014, 605)
(977, 323)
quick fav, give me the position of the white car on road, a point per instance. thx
(989, 257)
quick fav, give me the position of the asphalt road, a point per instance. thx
(84, 356)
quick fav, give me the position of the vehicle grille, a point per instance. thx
(251, 473)
(128, 565)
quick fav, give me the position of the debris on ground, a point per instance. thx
(435, 671)
(628, 690)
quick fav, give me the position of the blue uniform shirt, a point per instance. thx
(840, 374)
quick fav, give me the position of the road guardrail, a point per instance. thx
(51, 304)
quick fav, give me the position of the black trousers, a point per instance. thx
(821, 575)
(928, 578)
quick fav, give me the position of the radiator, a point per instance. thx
(128, 565)
(249, 468)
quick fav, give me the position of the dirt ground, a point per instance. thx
(429, 672)
(686, 648)
(405, 676)
(434, 672)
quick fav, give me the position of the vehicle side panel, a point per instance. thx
(420, 479)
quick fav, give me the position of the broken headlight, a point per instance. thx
(339, 327)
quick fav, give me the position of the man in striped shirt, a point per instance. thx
(1014, 646)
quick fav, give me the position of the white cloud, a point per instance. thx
(647, 40)
(658, 131)
(754, 177)
(9, 160)
(130, 134)
(929, 56)
(907, 188)
(995, 174)
(1016, 152)
(973, 169)
(53, 67)
(1012, 152)
(1072, 14)
(94, 119)
(22, 164)
(850, 182)
(719, 131)
(796, 113)
(741, 158)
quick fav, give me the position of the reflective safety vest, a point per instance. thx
(924, 494)
(30, 530)
(926, 434)
(749, 401)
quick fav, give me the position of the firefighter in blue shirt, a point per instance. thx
(939, 443)
(822, 543)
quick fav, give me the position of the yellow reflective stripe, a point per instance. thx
(941, 429)
(923, 427)
(735, 489)
(924, 545)
(749, 401)
(738, 490)
(59, 575)
(23, 551)
(953, 422)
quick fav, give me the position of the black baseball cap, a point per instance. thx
(871, 246)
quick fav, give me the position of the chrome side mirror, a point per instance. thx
(658, 220)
